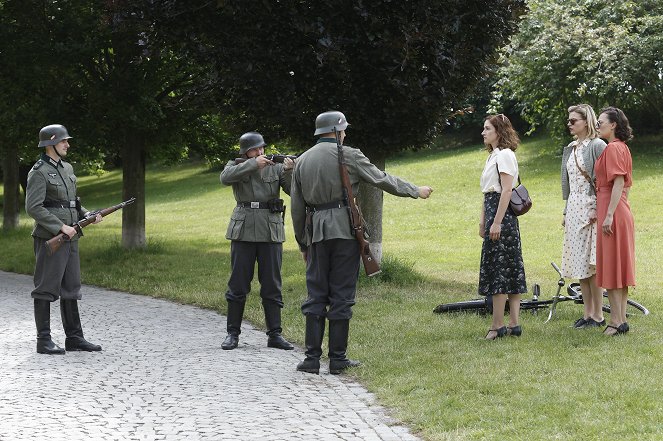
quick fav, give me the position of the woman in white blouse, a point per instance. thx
(502, 272)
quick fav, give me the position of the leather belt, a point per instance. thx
(261, 205)
(60, 204)
(328, 206)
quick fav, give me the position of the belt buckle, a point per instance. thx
(255, 204)
(72, 204)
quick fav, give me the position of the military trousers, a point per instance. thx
(243, 257)
(58, 275)
(331, 278)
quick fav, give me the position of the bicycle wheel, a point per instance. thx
(632, 307)
(476, 305)
(527, 304)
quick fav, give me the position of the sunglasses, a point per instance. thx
(572, 121)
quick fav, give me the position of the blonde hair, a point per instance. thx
(587, 113)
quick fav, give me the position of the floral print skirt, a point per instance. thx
(502, 269)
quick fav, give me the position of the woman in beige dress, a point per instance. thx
(580, 229)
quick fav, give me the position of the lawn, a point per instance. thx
(435, 371)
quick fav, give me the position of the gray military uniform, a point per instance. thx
(51, 201)
(257, 233)
(333, 252)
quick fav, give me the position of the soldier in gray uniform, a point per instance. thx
(327, 243)
(51, 201)
(257, 234)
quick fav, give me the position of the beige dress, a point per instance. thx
(579, 250)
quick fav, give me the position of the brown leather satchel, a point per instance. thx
(520, 202)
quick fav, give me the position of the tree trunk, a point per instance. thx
(133, 185)
(10, 208)
(370, 201)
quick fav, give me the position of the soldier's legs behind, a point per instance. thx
(344, 271)
(269, 275)
(242, 260)
(71, 321)
(47, 277)
(314, 307)
(43, 321)
(69, 295)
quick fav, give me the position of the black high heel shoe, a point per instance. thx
(516, 331)
(623, 328)
(499, 333)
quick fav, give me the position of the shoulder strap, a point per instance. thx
(583, 172)
(498, 175)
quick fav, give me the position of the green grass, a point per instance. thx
(435, 371)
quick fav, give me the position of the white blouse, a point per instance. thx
(506, 161)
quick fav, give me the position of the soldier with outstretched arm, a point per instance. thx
(326, 240)
(256, 233)
(50, 199)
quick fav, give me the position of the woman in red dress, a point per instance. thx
(615, 250)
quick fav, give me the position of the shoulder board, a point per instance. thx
(38, 164)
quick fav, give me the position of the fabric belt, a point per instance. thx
(262, 205)
(60, 204)
(328, 206)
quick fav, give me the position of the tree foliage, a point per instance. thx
(397, 69)
(92, 66)
(590, 51)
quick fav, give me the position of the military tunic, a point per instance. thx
(51, 201)
(257, 234)
(333, 252)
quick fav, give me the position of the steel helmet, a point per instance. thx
(51, 135)
(325, 122)
(250, 140)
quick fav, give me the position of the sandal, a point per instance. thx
(499, 333)
(616, 328)
(515, 331)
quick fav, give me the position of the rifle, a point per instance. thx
(54, 244)
(371, 266)
(274, 158)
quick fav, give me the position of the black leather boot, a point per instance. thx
(43, 321)
(273, 323)
(234, 325)
(71, 322)
(315, 331)
(338, 345)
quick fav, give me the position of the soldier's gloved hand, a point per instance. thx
(288, 164)
(424, 192)
(263, 161)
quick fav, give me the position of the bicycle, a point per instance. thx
(573, 294)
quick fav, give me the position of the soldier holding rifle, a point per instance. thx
(51, 201)
(257, 234)
(326, 239)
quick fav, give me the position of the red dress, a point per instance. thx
(615, 254)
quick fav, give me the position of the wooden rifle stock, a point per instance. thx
(54, 244)
(278, 158)
(371, 266)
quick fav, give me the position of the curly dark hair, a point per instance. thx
(508, 138)
(623, 130)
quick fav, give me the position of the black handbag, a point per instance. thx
(520, 202)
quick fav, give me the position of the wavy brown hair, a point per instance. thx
(507, 136)
(623, 129)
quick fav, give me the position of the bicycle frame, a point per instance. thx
(560, 284)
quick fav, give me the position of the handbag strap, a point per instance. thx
(498, 175)
(583, 172)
